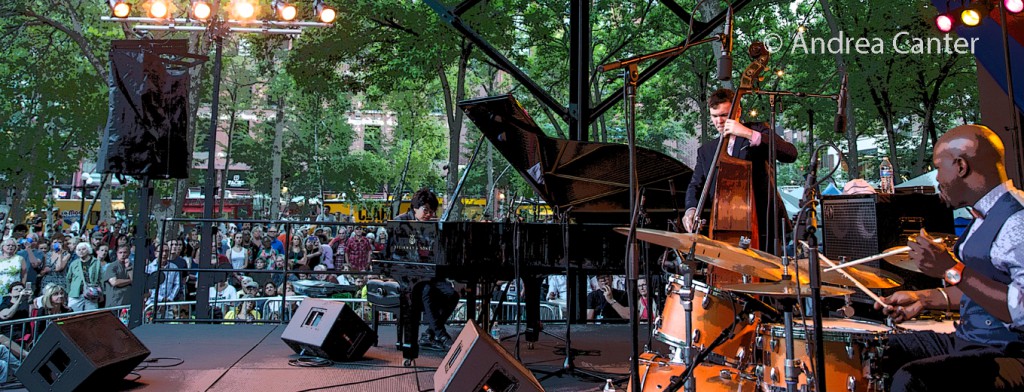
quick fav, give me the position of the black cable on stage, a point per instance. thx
(310, 362)
(151, 360)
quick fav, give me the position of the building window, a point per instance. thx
(372, 139)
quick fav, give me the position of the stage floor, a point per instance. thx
(251, 358)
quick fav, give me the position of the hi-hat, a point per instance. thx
(870, 277)
(748, 262)
(786, 288)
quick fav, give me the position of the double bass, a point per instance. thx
(733, 211)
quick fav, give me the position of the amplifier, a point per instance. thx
(857, 226)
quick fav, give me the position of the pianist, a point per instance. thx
(439, 296)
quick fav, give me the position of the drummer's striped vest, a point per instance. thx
(976, 324)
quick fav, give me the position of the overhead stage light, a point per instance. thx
(119, 9)
(324, 12)
(158, 9)
(285, 11)
(973, 14)
(944, 22)
(242, 9)
(201, 9)
(1013, 6)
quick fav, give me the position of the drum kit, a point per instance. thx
(739, 350)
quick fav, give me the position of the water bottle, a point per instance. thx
(495, 331)
(885, 176)
(608, 386)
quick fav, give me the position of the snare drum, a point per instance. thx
(713, 312)
(937, 326)
(848, 344)
(656, 374)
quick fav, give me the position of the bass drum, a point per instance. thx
(656, 374)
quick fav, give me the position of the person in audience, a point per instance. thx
(296, 252)
(221, 294)
(275, 243)
(52, 301)
(243, 310)
(57, 261)
(358, 250)
(84, 279)
(607, 302)
(12, 267)
(117, 278)
(272, 306)
(314, 253)
(16, 306)
(250, 287)
(238, 254)
(34, 255)
(330, 278)
(169, 285)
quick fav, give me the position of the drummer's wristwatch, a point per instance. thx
(954, 274)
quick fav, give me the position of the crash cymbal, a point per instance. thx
(783, 289)
(901, 259)
(870, 277)
(717, 253)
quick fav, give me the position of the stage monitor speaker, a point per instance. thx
(86, 352)
(477, 363)
(328, 329)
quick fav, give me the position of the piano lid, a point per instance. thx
(590, 177)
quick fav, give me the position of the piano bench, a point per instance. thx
(383, 296)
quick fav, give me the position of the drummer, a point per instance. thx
(985, 276)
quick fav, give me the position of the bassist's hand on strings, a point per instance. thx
(733, 127)
(690, 220)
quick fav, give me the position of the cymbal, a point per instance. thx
(901, 260)
(783, 289)
(749, 262)
(870, 277)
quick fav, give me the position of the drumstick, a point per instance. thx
(847, 275)
(895, 251)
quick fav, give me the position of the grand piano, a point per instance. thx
(584, 181)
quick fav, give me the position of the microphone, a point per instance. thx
(725, 61)
(840, 125)
(810, 223)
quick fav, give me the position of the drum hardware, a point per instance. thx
(847, 310)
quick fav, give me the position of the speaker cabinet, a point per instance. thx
(148, 121)
(87, 352)
(858, 226)
(328, 329)
(476, 362)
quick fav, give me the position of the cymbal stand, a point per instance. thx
(686, 297)
(787, 318)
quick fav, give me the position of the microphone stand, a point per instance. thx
(632, 77)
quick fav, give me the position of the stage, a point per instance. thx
(253, 358)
